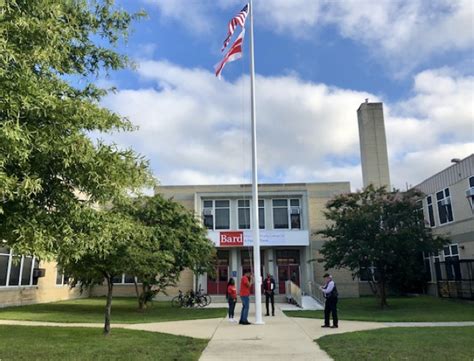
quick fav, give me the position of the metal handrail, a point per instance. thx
(293, 292)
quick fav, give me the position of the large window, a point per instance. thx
(286, 214)
(445, 210)
(431, 218)
(123, 279)
(61, 278)
(244, 213)
(261, 214)
(222, 211)
(16, 270)
(216, 214)
(280, 213)
(451, 258)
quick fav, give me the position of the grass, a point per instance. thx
(75, 343)
(417, 343)
(401, 309)
(91, 310)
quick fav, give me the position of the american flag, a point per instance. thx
(234, 53)
(238, 19)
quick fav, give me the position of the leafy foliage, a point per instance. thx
(174, 240)
(379, 230)
(49, 166)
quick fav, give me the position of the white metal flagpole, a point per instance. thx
(255, 225)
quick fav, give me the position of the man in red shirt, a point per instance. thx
(245, 284)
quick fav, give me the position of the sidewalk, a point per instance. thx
(281, 338)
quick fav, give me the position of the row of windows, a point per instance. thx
(16, 270)
(444, 206)
(449, 254)
(286, 214)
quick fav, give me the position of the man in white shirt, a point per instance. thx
(330, 293)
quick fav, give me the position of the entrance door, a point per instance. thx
(217, 285)
(288, 273)
(288, 268)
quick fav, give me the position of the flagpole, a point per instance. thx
(256, 230)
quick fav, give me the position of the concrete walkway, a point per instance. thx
(280, 338)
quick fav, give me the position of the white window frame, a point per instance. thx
(122, 281)
(429, 205)
(20, 275)
(244, 207)
(446, 198)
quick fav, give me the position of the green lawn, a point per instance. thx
(124, 310)
(417, 343)
(421, 309)
(70, 344)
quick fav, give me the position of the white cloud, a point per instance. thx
(400, 33)
(196, 129)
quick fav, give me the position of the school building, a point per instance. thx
(448, 208)
(290, 215)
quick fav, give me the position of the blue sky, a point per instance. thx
(316, 61)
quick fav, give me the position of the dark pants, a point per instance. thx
(232, 303)
(330, 307)
(270, 297)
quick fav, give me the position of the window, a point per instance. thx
(16, 270)
(427, 263)
(207, 215)
(244, 213)
(430, 211)
(471, 182)
(451, 258)
(123, 279)
(61, 278)
(286, 213)
(261, 214)
(445, 211)
(222, 211)
(295, 212)
(216, 214)
(280, 213)
(437, 265)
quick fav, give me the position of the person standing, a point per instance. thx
(245, 284)
(269, 289)
(231, 298)
(330, 293)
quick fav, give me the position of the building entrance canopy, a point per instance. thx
(267, 238)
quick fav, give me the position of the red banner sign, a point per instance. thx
(230, 239)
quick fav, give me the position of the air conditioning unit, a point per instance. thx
(295, 210)
(39, 272)
(470, 192)
(207, 211)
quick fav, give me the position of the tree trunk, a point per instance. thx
(383, 294)
(108, 306)
(137, 292)
(142, 300)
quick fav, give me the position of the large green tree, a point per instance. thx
(51, 52)
(106, 239)
(377, 230)
(175, 240)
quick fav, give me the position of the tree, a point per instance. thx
(106, 237)
(175, 240)
(377, 230)
(51, 52)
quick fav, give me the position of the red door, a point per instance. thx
(218, 285)
(288, 273)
